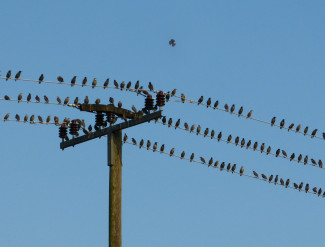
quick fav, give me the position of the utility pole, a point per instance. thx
(114, 148)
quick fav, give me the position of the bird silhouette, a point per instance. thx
(119, 104)
(17, 117)
(268, 151)
(295, 186)
(300, 186)
(277, 152)
(319, 192)
(32, 118)
(106, 83)
(58, 100)
(137, 84)
(255, 174)
(287, 183)
(306, 160)
(60, 79)
(177, 123)
(222, 166)
(122, 85)
(134, 141)
(7, 97)
(299, 158)
(183, 98)
(242, 143)
(226, 107)
(170, 122)
(202, 159)
(250, 114)
(292, 156)
(154, 147)
(276, 179)
(314, 162)
(313, 133)
(66, 101)
(216, 104)
(212, 134)
(248, 144)
(141, 143)
(148, 144)
(219, 136)
(6, 117)
(241, 171)
(284, 153)
(198, 129)
(8, 75)
(237, 140)
(192, 128)
(298, 128)
(262, 147)
(232, 109)
(150, 86)
(73, 81)
(76, 101)
(282, 123)
(41, 78)
(173, 92)
(18, 75)
(200, 100)
(20, 96)
(46, 99)
(37, 98)
(264, 176)
(171, 152)
(162, 148)
(255, 145)
(192, 157)
(128, 85)
(40, 119)
(186, 126)
(182, 155)
(29, 97)
(210, 162)
(86, 100)
(240, 111)
(172, 42)
(320, 163)
(281, 181)
(216, 164)
(305, 130)
(48, 119)
(208, 102)
(307, 188)
(229, 138)
(97, 102)
(84, 81)
(228, 167)
(273, 121)
(116, 84)
(290, 126)
(233, 168)
(270, 178)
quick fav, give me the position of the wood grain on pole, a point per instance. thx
(115, 189)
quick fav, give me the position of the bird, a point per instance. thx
(228, 167)
(76, 101)
(299, 158)
(41, 78)
(270, 178)
(255, 174)
(202, 159)
(48, 119)
(84, 81)
(284, 153)
(170, 122)
(17, 117)
(313, 133)
(262, 147)
(18, 75)
(320, 163)
(66, 101)
(183, 98)
(192, 157)
(7, 97)
(232, 108)
(119, 104)
(186, 126)
(216, 104)
(216, 164)
(173, 92)
(212, 134)
(59, 100)
(182, 154)
(40, 119)
(229, 138)
(307, 188)
(141, 143)
(56, 119)
(264, 176)
(111, 100)
(323, 135)
(150, 86)
(237, 140)
(154, 147)
(6, 117)
(242, 143)
(287, 183)
(273, 121)
(241, 171)
(248, 144)
(60, 79)
(306, 160)
(116, 84)
(290, 126)
(106, 83)
(200, 100)
(29, 96)
(122, 85)
(90, 128)
(148, 144)
(292, 156)
(134, 109)
(276, 179)
(233, 168)
(255, 145)
(37, 98)
(46, 99)
(226, 107)
(198, 129)
(164, 120)
(305, 130)
(192, 128)
(210, 162)
(240, 111)
(208, 102)
(97, 102)
(8, 75)
(319, 192)
(315, 189)
(134, 141)
(300, 186)
(177, 123)
(295, 185)
(298, 128)
(32, 117)
(219, 136)
(282, 123)
(162, 148)
(314, 162)
(86, 100)
(222, 166)
(268, 151)
(277, 152)
(128, 85)
(137, 84)
(172, 42)
(250, 114)
(73, 81)
(281, 181)
(20, 96)
(171, 152)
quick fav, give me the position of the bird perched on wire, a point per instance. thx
(122, 85)
(66, 101)
(192, 128)
(41, 78)
(298, 128)
(192, 157)
(116, 84)
(6, 117)
(37, 98)
(25, 118)
(162, 148)
(250, 114)
(46, 99)
(313, 133)
(291, 126)
(212, 134)
(73, 81)
(177, 123)
(17, 117)
(248, 144)
(97, 102)
(40, 119)
(186, 126)
(58, 100)
(255, 174)
(106, 83)
(86, 100)
(216, 104)
(226, 107)
(198, 129)
(20, 96)
(7, 97)
(60, 79)
(232, 108)
(202, 159)
(208, 102)
(32, 117)
(128, 85)
(18, 75)
(282, 123)
(241, 171)
(148, 144)
(200, 100)
(8, 75)
(305, 130)
(173, 92)
(48, 119)
(76, 101)
(150, 86)
(171, 151)
(273, 121)
(172, 42)
(240, 111)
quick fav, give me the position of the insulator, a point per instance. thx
(149, 101)
(63, 131)
(74, 127)
(99, 119)
(160, 99)
(110, 117)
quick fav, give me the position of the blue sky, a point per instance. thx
(264, 55)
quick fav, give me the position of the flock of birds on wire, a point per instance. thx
(192, 129)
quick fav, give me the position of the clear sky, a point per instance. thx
(263, 55)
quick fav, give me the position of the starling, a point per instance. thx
(222, 166)
(307, 188)
(167, 96)
(273, 121)
(255, 174)
(84, 81)
(320, 163)
(206, 132)
(200, 100)
(37, 98)
(262, 147)
(186, 126)
(202, 159)
(111, 100)
(270, 178)
(48, 119)
(306, 159)
(319, 192)
(106, 83)
(173, 92)
(40, 119)
(162, 148)
(60, 79)
(250, 114)
(315, 189)
(232, 108)
(284, 153)
(141, 143)
(171, 152)
(198, 129)
(134, 141)
(66, 101)
(255, 145)
(240, 111)
(56, 119)
(86, 100)
(291, 126)
(76, 101)
(323, 135)
(192, 157)
(148, 144)
(41, 78)
(150, 86)
(97, 102)
(8, 75)
(282, 123)
(229, 138)
(172, 42)
(241, 171)
(17, 117)
(212, 134)
(90, 128)
(170, 122)
(300, 186)
(46, 99)
(177, 123)
(299, 158)
(210, 162)
(6, 116)
(119, 104)
(128, 85)
(276, 179)
(287, 183)
(292, 156)
(29, 97)
(236, 140)
(233, 168)
(116, 84)
(154, 147)
(59, 100)
(216, 104)
(164, 120)
(17, 75)
(208, 102)
(122, 85)
(281, 181)
(226, 107)
(20, 96)
(137, 84)
(183, 98)
(305, 130)
(219, 136)
(242, 143)
(228, 167)
(263, 176)
(277, 152)
(314, 162)
(32, 118)
(7, 97)
(313, 133)
(268, 151)
(248, 144)
(73, 81)
(182, 155)
(216, 164)
(192, 128)
(295, 185)
(298, 128)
